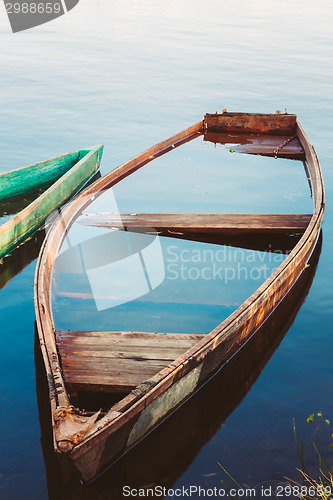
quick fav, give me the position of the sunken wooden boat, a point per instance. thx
(156, 372)
(41, 188)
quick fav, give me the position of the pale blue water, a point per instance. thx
(129, 74)
(202, 283)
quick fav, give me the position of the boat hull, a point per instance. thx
(66, 174)
(150, 403)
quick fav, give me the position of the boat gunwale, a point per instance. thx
(40, 163)
(44, 318)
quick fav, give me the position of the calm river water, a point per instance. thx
(129, 74)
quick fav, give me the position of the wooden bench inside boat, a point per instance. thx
(104, 361)
(202, 223)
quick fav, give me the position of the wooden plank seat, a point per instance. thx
(117, 361)
(201, 223)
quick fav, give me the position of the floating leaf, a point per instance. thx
(328, 422)
(310, 419)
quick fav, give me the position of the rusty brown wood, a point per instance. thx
(125, 423)
(117, 361)
(202, 223)
(251, 123)
(259, 144)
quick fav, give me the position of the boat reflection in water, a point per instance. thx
(24, 254)
(21, 257)
(162, 457)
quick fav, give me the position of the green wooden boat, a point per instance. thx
(46, 186)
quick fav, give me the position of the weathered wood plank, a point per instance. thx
(202, 223)
(117, 361)
(113, 367)
(111, 384)
(251, 123)
(127, 338)
(106, 352)
(262, 145)
(22, 180)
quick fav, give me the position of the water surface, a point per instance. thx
(129, 74)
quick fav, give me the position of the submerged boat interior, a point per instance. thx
(102, 367)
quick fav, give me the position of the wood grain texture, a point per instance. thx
(117, 361)
(202, 223)
(22, 180)
(251, 123)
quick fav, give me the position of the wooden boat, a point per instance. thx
(153, 390)
(42, 188)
